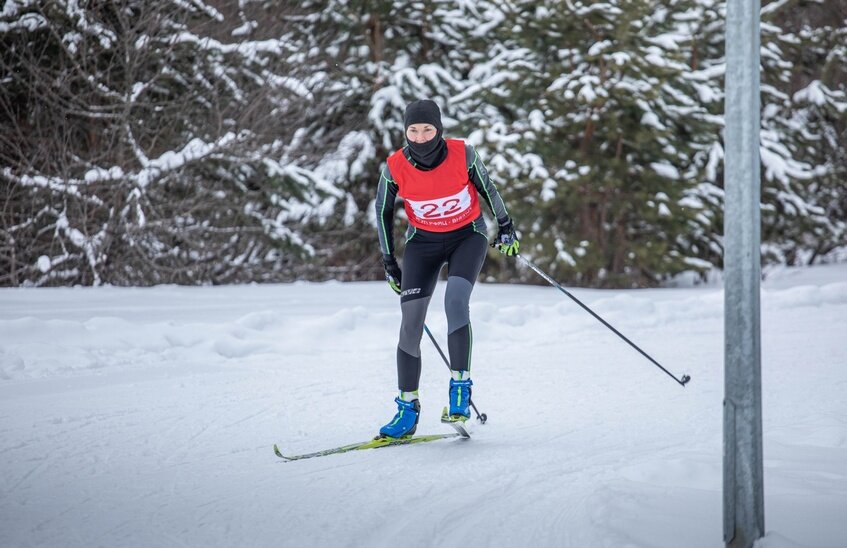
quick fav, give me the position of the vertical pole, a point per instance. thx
(744, 515)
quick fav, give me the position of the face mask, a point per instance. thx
(429, 154)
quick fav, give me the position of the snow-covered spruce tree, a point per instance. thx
(373, 58)
(706, 23)
(601, 133)
(804, 133)
(147, 142)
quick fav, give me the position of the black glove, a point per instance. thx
(392, 272)
(507, 241)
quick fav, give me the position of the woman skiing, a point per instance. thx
(441, 182)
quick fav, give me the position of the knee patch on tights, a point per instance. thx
(457, 303)
(411, 327)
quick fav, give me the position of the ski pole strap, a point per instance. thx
(554, 283)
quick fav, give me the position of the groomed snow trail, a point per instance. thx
(146, 417)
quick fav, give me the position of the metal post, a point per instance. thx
(743, 492)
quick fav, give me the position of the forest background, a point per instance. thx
(201, 142)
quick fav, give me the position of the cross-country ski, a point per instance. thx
(372, 444)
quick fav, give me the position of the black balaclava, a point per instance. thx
(431, 153)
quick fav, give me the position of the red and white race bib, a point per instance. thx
(442, 209)
(440, 199)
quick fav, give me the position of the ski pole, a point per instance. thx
(554, 283)
(482, 417)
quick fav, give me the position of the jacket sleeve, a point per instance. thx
(386, 195)
(486, 188)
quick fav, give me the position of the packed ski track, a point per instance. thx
(147, 417)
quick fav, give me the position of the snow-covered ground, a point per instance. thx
(146, 417)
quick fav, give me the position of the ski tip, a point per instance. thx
(279, 454)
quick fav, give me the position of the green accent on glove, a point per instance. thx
(393, 283)
(511, 249)
(507, 241)
(392, 272)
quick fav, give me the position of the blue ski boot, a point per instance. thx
(460, 398)
(405, 422)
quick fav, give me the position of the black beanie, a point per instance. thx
(423, 111)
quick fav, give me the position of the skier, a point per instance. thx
(441, 182)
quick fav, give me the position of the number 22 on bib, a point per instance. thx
(449, 211)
